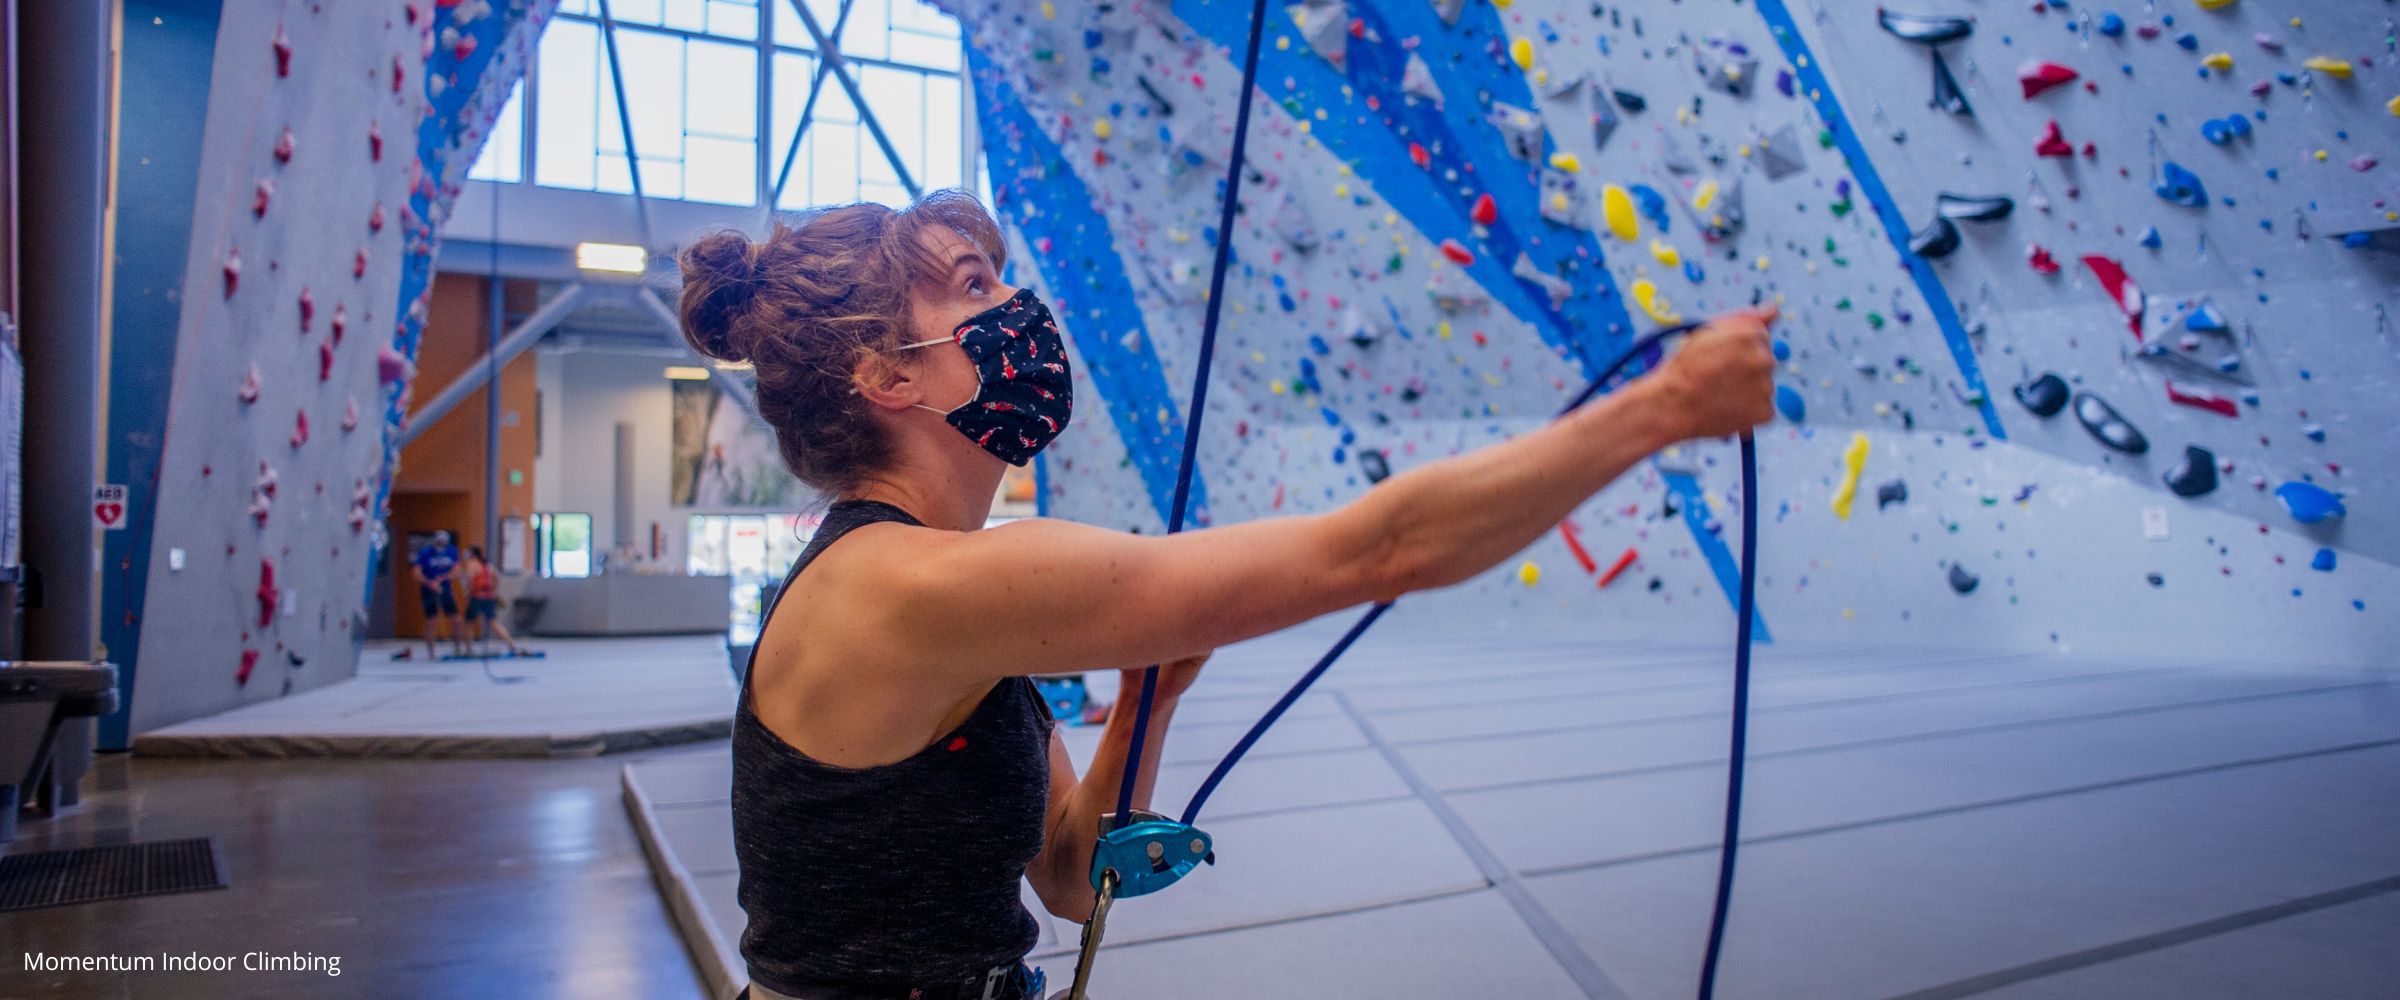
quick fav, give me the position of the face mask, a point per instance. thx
(1028, 393)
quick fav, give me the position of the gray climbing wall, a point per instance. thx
(1457, 211)
(337, 135)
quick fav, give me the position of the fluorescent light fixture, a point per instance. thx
(687, 373)
(616, 257)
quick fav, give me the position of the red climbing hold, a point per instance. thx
(341, 321)
(2054, 143)
(2037, 77)
(375, 219)
(325, 361)
(358, 266)
(258, 203)
(1623, 563)
(1566, 530)
(375, 141)
(2199, 399)
(300, 431)
(283, 53)
(399, 73)
(1418, 155)
(283, 146)
(233, 271)
(1486, 211)
(2038, 257)
(308, 310)
(1458, 253)
(2123, 288)
(249, 660)
(268, 596)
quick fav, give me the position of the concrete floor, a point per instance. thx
(1487, 817)
(516, 879)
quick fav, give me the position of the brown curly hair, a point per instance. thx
(805, 305)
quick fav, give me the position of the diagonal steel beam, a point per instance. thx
(488, 367)
(633, 159)
(727, 382)
(832, 57)
(808, 112)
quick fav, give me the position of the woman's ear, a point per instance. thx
(885, 384)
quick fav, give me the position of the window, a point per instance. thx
(694, 80)
(562, 544)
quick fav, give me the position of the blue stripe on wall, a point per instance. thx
(169, 53)
(1895, 224)
(1036, 191)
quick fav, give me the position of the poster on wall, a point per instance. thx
(723, 458)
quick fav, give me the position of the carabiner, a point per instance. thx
(1092, 930)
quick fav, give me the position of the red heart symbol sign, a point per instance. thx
(108, 513)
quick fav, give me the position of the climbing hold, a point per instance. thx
(2180, 186)
(2038, 257)
(1645, 294)
(1485, 211)
(258, 203)
(2112, 24)
(350, 417)
(308, 309)
(1947, 96)
(1618, 568)
(375, 141)
(2053, 143)
(1520, 128)
(1731, 75)
(300, 430)
(2199, 399)
(1939, 238)
(1568, 162)
(375, 219)
(2196, 475)
(1963, 581)
(233, 270)
(1457, 253)
(2045, 396)
(1529, 574)
(391, 366)
(2221, 62)
(2323, 561)
(283, 146)
(2121, 287)
(1665, 254)
(1854, 463)
(1925, 29)
(1987, 208)
(1653, 206)
(2151, 238)
(1779, 154)
(247, 392)
(2038, 77)
(1789, 403)
(2335, 68)
(283, 52)
(2206, 319)
(1630, 101)
(2308, 502)
(1373, 463)
(1521, 51)
(324, 361)
(2215, 4)
(1325, 26)
(1616, 206)
(2107, 425)
(1416, 79)
(1891, 493)
(341, 321)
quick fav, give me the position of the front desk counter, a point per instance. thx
(631, 604)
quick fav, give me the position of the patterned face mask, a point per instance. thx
(1028, 392)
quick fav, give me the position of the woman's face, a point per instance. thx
(970, 286)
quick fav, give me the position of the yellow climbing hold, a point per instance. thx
(1666, 254)
(1521, 50)
(2222, 62)
(1854, 463)
(2394, 107)
(1568, 162)
(1049, 13)
(1645, 294)
(2215, 4)
(1705, 197)
(1102, 129)
(2335, 68)
(1762, 262)
(1529, 573)
(1616, 205)
(1559, 202)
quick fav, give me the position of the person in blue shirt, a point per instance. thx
(435, 566)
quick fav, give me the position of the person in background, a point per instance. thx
(483, 602)
(435, 563)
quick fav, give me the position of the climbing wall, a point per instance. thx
(2088, 339)
(337, 135)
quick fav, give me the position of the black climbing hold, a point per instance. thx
(1410, 394)
(2107, 425)
(1668, 507)
(1891, 493)
(2045, 396)
(1974, 209)
(1629, 100)
(1963, 581)
(1926, 29)
(1939, 238)
(1656, 583)
(1373, 464)
(1946, 93)
(2196, 476)
(2158, 580)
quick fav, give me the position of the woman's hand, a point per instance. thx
(1173, 678)
(1722, 380)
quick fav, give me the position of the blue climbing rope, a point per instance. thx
(1741, 721)
(1198, 408)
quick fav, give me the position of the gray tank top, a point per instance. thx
(893, 877)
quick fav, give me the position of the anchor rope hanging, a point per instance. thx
(1129, 858)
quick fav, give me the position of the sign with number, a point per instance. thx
(108, 507)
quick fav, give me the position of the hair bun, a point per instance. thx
(720, 282)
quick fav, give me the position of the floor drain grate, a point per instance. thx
(90, 874)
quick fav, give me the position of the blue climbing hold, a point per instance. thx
(2323, 563)
(2180, 186)
(2308, 502)
(1789, 403)
(1652, 205)
(2112, 24)
(1783, 350)
(2206, 319)
(2239, 124)
(2216, 131)
(2358, 241)
(2151, 239)
(2190, 42)
(1692, 271)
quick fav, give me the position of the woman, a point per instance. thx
(895, 773)
(483, 602)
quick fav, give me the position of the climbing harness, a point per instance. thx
(1140, 852)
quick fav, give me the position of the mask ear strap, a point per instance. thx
(925, 343)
